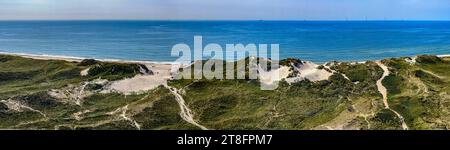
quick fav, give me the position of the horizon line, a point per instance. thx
(225, 20)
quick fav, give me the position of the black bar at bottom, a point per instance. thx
(225, 139)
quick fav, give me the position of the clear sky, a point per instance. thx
(226, 9)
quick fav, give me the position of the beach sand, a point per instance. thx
(45, 57)
(447, 55)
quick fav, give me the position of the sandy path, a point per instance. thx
(124, 116)
(17, 106)
(382, 89)
(380, 85)
(432, 73)
(122, 113)
(185, 113)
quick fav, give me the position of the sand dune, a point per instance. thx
(142, 83)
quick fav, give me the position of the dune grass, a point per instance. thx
(420, 92)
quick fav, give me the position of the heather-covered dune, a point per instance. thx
(89, 94)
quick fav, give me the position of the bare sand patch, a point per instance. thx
(411, 61)
(85, 72)
(142, 83)
(273, 76)
(309, 71)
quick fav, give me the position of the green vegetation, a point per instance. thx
(428, 59)
(22, 75)
(88, 62)
(360, 72)
(27, 82)
(385, 119)
(393, 84)
(240, 104)
(419, 92)
(114, 71)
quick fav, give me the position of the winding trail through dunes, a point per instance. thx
(124, 116)
(185, 113)
(122, 113)
(380, 85)
(17, 106)
(383, 92)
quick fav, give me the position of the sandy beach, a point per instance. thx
(79, 59)
(45, 57)
(445, 55)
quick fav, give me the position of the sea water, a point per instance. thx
(317, 41)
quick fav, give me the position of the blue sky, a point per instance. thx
(226, 9)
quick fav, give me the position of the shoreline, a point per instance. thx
(79, 59)
(443, 55)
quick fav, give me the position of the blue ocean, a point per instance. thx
(317, 41)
